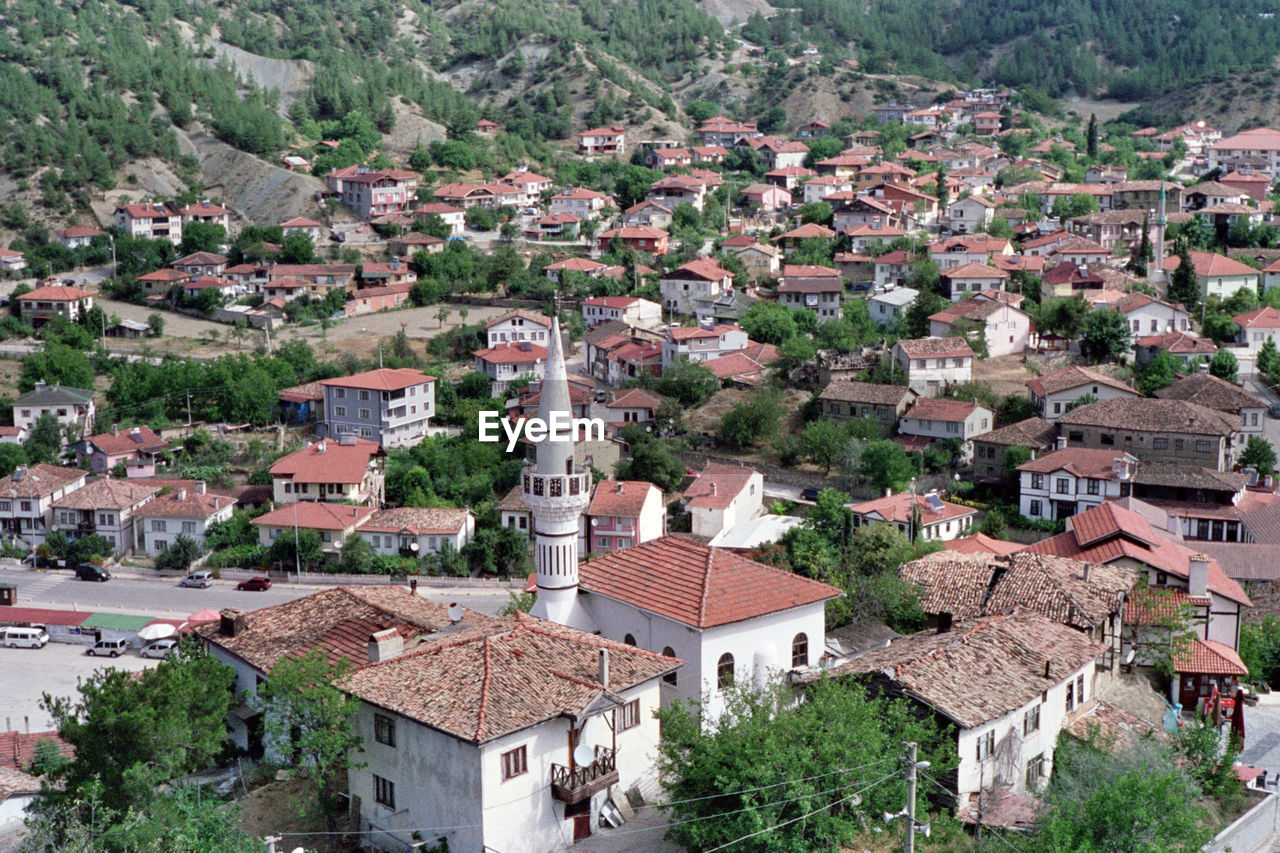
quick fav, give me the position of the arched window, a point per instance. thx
(800, 650)
(724, 671)
(670, 677)
(630, 639)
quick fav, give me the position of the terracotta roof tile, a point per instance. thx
(1087, 462)
(940, 409)
(38, 480)
(717, 485)
(925, 347)
(17, 749)
(1141, 414)
(1034, 433)
(980, 543)
(315, 515)
(897, 508)
(128, 440)
(521, 352)
(328, 461)
(865, 392)
(382, 379)
(418, 520)
(622, 498)
(107, 494)
(697, 585)
(1208, 657)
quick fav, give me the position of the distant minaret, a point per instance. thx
(557, 492)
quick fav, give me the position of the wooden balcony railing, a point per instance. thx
(574, 786)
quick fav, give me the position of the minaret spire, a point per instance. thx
(557, 491)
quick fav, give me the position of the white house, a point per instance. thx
(27, 496)
(580, 202)
(348, 469)
(971, 279)
(1070, 480)
(1008, 710)
(107, 507)
(924, 517)
(696, 280)
(1256, 328)
(416, 531)
(932, 365)
(723, 496)
(1217, 275)
(454, 217)
(154, 221)
(1005, 327)
(623, 513)
(333, 523)
(1054, 394)
(79, 236)
(507, 363)
(969, 214)
(302, 225)
(889, 304)
(518, 325)
(180, 512)
(703, 342)
(933, 419)
(631, 310)
(73, 407)
(1149, 316)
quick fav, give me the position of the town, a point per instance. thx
(844, 482)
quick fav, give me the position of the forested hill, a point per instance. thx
(1128, 49)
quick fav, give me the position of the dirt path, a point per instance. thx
(1004, 375)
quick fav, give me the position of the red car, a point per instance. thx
(255, 584)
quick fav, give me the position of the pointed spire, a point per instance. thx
(552, 455)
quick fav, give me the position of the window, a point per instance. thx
(384, 729)
(364, 395)
(188, 527)
(1177, 444)
(158, 526)
(1071, 698)
(1031, 721)
(724, 671)
(627, 717)
(1107, 439)
(670, 677)
(1159, 444)
(384, 792)
(1202, 446)
(340, 411)
(1092, 486)
(1035, 771)
(514, 763)
(986, 745)
(1037, 481)
(340, 393)
(629, 639)
(800, 650)
(1063, 485)
(1034, 509)
(364, 414)
(1080, 690)
(1075, 437)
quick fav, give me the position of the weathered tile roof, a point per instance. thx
(697, 585)
(1208, 390)
(1176, 475)
(1141, 414)
(107, 494)
(38, 480)
(516, 673)
(17, 749)
(1034, 432)
(417, 520)
(1073, 377)
(1072, 592)
(1111, 725)
(15, 782)
(315, 515)
(923, 347)
(328, 461)
(980, 670)
(1095, 464)
(981, 543)
(382, 379)
(717, 485)
(898, 508)
(865, 392)
(941, 409)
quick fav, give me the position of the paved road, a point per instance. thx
(156, 597)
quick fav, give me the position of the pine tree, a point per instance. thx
(944, 195)
(1182, 284)
(1144, 254)
(1092, 139)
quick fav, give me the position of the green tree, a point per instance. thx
(655, 462)
(1144, 254)
(45, 442)
(1091, 137)
(156, 322)
(769, 323)
(140, 730)
(687, 382)
(1268, 361)
(307, 552)
(926, 304)
(790, 769)
(1225, 366)
(178, 555)
(1157, 373)
(1105, 336)
(202, 237)
(56, 364)
(751, 422)
(357, 556)
(11, 456)
(1259, 455)
(886, 465)
(1183, 286)
(309, 718)
(1260, 650)
(297, 248)
(823, 442)
(1063, 315)
(1121, 800)
(817, 212)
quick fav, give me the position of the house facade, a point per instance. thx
(27, 496)
(1061, 483)
(109, 508)
(415, 531)
(623, 513)
(723, 496)
(389, 406)
(932, 365)
(181, 512)
(346, 469)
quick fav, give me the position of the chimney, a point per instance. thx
(618, 489)
(182, 494)
(604, 667)
(1060, 443)
(41, 384)
(455, 612)
(713, 489)
(1086, 572)
(1171, 525)
(320, 448)
(231, 622)
(1198, 578)
(384, 645)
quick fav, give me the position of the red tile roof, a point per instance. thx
(521, 352)
(979, 271)
(186, 503)
(127, 441)
(55, 293)
(703, 268)
(1208, 657)
(697, 585)
(925, 347)
(1073, 377)
(940, 409)
(621, 498)
(17, 749)
(981, 543)
(107, 494)
(418, 520)
(315, 515)
(1086, 462)
(1211, 264)
(42, 616)
(896, 508)
(328, 461)
(636, 398)
(382, 379)
(521, 313)
(1261, 318)
(717, 485)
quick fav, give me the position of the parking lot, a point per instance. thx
(27, 674)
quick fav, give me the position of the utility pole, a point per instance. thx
(188, 407)
(909, 844)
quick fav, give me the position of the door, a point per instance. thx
(1188, 691)
(580, 812)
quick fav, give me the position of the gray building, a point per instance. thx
(389, 406)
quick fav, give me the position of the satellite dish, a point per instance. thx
(583, 755)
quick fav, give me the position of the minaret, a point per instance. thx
(557, 492)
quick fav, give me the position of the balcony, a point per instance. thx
(573, 786)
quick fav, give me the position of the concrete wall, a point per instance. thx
(1254, 831)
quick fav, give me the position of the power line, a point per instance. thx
(951, 793)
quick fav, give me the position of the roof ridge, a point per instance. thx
(706, 586)
(483, 711)
(531, 624)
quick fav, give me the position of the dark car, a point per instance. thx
(90, 572)
(809, 494)
(256, 584)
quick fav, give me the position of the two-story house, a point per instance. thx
(416, 531)
(332, 522)
(602, 140)
(107, 507)
(54, 302)
(642, 238)
(1154, 430)
(633, 406)
(510, 362)
(1257, 327)
(970, 214)
(623, 513)
(699, 279)
(180, 512)
(73, 407)
(889, 303)
(1217, 275)
(932, 365)
(631, 310)
(346, 469)
(1005, 328)
(137, 449)
(1222, 396)
(815, 288)
(1054, 394)
(519, 325)
(154, 221)
(392, 406)
(932, 419)
(703, 342)
(990, 449)
(1061, 483)
(971, 279)
(378, 193)
(580, 202)
(847, 400)
(27, 496)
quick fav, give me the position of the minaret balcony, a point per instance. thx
(547, 486)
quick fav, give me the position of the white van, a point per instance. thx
(26, 638)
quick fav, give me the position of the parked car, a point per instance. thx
(29, 638)
(810, 494)
(91, 572)
(69, 282)
(200, 580)
(108, 648)
(255, 584)
(160, 648)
